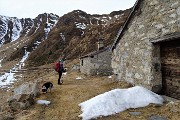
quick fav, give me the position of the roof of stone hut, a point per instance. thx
(96, 52)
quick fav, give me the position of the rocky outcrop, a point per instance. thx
(24, 96)
(10, 28)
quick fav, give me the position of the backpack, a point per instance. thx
(57, 66)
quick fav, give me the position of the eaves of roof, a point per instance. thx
(95, 52)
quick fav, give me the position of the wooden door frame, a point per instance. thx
(157, 57)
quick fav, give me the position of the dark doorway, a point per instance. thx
(170, 67)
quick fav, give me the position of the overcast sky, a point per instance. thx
(31, 8)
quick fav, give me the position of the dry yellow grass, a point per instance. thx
(65, 98)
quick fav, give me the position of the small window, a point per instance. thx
(82, 62)
(92, 56)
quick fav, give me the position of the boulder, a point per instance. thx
(23, 97)
(27, 88)
(6, 117)
(21, 101)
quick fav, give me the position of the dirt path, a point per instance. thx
(65, 99)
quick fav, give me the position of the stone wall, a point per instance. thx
(135, 58)
(98, 64)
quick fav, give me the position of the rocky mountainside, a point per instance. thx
(12, 28)
(48, 36)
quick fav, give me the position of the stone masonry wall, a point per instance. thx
(99, 64)
(135, 57)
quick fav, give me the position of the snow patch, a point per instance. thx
(38, 25)
(9, 77)
(43, 102)
(0, 62)
(50, 23)
(63, 37)
(118, 100)
(3, 27)
(79, 78)
(110, 77)
(17, 28)
(80, 25)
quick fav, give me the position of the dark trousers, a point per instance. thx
(59, 79)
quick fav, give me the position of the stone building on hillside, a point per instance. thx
(97, 62)
(147, 51)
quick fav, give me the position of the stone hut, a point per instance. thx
(147, 51)
(97, 62)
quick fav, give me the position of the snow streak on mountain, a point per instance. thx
(12, 28)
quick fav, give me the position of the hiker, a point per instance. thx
(60, 71)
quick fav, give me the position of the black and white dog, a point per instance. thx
(46, 86)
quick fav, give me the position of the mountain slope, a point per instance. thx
(76, 34)
(48, 36)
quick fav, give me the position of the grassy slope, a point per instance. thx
(65, 99)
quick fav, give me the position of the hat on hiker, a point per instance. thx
(61, 60)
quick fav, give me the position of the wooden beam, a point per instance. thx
(169, 37)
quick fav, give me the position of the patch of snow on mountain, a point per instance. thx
(62, 36)
(0, 62)
(3, 27)
(80, 25)
(2, 42)
(40, 19)
(9, 77)
(55, 22)
(51, 22)
(47, 29)
(37, 27)
(29, 25)
(82, 17)
(90, 22)
(17, 27)
(116, 16)
(82, 33)
(54, 19)
(97, 18)
(104, 20)
(37, 43)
